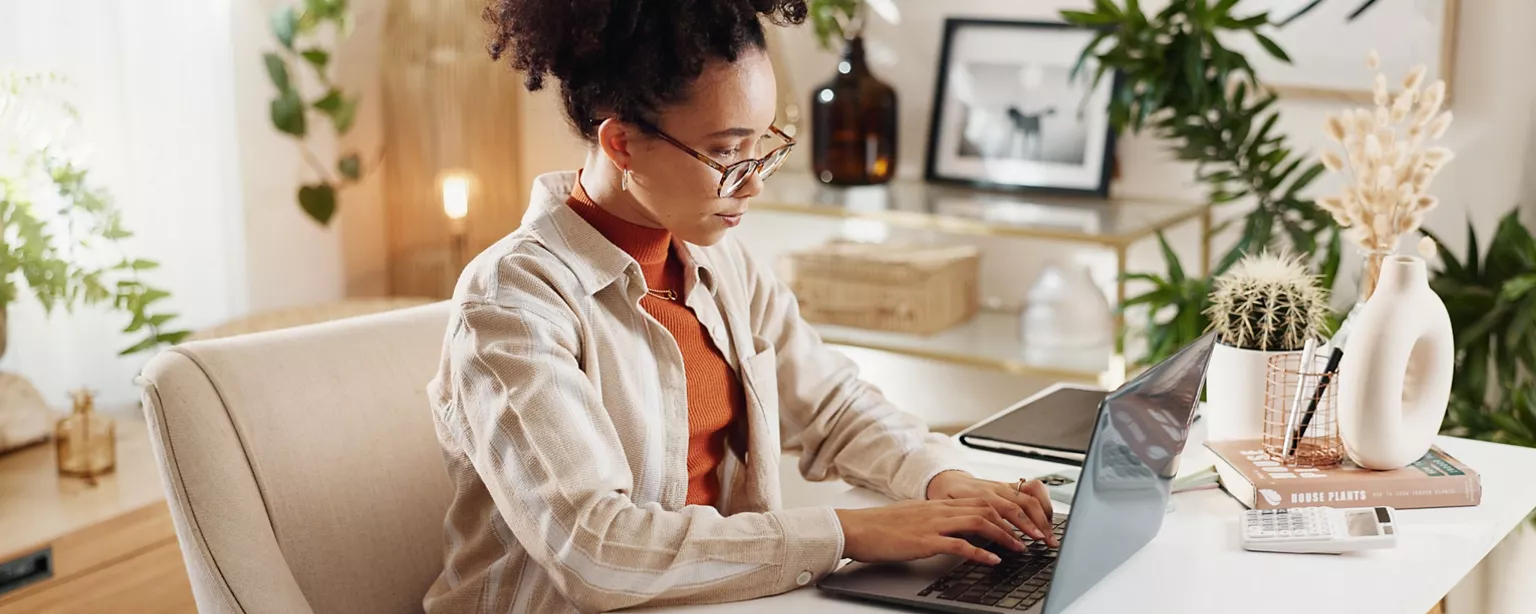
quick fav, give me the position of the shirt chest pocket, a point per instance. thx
(760, 375)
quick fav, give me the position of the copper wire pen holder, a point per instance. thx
(1301, 432)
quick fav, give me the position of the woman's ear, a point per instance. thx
(614, 138)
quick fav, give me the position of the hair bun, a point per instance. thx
(626, 57)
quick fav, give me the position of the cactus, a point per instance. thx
(1267, 302)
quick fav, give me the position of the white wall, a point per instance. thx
(174, 104)
(157, 103)
(291, 260)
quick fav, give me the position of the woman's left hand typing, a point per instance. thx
(1027, 505)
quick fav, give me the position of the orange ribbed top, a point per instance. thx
(715, 395)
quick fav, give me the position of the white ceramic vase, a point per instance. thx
(1395, 379)
(1234, 392)
(1066, 318)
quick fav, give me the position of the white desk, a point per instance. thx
(1195, 564)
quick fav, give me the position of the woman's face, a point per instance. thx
(725, 117)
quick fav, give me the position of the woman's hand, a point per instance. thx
(913, 530)
(1027, 507)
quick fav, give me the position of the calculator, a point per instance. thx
(1319, 530)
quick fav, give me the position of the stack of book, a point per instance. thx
(1436, 480)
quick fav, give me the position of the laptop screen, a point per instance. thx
(1132, 458)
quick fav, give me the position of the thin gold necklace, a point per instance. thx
(666, 295)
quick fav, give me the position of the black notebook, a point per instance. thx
(1054, 424)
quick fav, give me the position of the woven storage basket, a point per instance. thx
(904, 288)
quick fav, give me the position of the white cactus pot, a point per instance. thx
(1234, 392)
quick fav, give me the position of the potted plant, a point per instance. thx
(1181, 82)
(1491, 298)
(1265, 305)
(61, 240)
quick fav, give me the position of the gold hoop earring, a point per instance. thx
(624, 183)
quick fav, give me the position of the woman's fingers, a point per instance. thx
(987, 510)
(1037, 489)
(982, 527)
(1038, 518)
(1036, 500)
(960, 547)
(1017, 515)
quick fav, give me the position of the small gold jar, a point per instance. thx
(86, 441)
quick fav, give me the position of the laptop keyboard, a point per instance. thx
(1017, 583)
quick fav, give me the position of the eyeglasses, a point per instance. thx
(736, 175)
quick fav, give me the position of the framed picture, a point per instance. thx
(1328, 49)
(1008, 113)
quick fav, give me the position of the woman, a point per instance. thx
(619, 378)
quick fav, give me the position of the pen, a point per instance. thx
(1293, 417)
(1338, 342)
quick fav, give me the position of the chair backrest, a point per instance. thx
(302, 467)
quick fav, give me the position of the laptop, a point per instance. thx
(1133, 455)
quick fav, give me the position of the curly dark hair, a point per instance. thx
(626, 58)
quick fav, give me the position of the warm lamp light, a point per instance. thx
(456, 196)
(456, 187)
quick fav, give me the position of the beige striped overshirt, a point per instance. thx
(562, 412)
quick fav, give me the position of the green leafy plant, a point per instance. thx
(834, 19)
(62, 241)
(298, 29)
(1491, 299)
(1179, 81)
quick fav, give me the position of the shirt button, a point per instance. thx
(804, 578)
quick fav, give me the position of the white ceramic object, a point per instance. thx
(1234, 392)
(24, 418)
(1395, 379)
(1065, 310)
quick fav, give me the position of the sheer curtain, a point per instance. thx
(155, 89)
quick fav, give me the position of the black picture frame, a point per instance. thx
(937, 124)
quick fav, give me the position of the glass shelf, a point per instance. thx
(991, 340)
(1115, 222)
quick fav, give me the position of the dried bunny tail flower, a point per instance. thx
(1360, 236)
(1434, 97)
(1341, 218)
(1372, 147)
(1332, 162)
(1357, 154)
(1383, 118)
(1334, 128)
(1373, 60)
(1421, 179)
(1388, 138)
(1436, 157)
(1421, 118)
(1365, 121)
(1405, 170)
(1409, 223)
(1438, 127)
(1383, 97)
(1415, 77)
(1383, 177)
(1331, 203)
(1406, 195)
(1426, 203)
(1382, 227)
(1351, 197)
(1428, 248)
(1402, 106)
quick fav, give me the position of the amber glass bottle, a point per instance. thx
(854, 124)
(86, 442)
